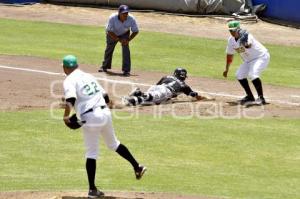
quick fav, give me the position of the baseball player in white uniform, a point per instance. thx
(255, 59)
(85, 94)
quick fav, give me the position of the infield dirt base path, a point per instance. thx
(33, 90)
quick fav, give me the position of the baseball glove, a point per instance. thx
(243, 37)
(74, 122)
(111, 104)
(199, 97)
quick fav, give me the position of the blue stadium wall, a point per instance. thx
(286, 10)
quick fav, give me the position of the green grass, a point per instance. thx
(150, 51)
(245, 159)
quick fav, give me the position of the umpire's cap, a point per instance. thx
(70, 61)
(123, 9)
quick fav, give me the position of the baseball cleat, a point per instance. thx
(136, 92)
(125, 101)
(101, 69)
(247, 99)
(129, 101)
(95, 193)
(260, 101)
(126, 74)
(140, 172)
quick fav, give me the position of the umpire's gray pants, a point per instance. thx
(110, 47)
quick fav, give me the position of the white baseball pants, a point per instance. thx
(98, 123)
(254, 68)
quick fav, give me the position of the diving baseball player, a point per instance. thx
(255, 59)
(168, 87)
(85, 94)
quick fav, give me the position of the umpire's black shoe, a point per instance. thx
(247, 99)
(126, 74)
(95, 193)
(101, 69)
(140, 172)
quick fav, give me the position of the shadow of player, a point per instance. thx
(233, 103)
(103, 197)
(247, 105)
(111, 73)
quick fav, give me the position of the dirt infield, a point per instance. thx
(82, 195)
(36, 89)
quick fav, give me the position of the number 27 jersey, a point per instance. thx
(85, 88)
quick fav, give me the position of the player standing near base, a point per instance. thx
(86, 95)
(255, 59)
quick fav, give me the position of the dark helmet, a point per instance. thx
(180, 73)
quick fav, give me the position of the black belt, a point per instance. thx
(92, 109)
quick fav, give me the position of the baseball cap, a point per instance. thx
(233, 25)
(123, 9)
(70, 61)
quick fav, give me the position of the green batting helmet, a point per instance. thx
(70, 61)
(233, 25)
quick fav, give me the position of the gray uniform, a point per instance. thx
(122, 30)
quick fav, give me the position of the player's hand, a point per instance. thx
(199, 98)
(66, 120)
(124, 42)
(111, 104)
(225, 73)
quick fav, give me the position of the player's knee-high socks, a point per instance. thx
(91, 172)
(125, 153)
(245, 85)
(258, 86)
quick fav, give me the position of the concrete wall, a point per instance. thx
(179, 6)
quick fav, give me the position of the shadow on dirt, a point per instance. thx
(112, 73)
(247, 105)
(103, 197)
(233, 103)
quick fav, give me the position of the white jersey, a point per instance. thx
(85, 88)
(248, 54)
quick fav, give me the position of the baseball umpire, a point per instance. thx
(118, 30)
(89, 99)
(168, 87)
(255, 59)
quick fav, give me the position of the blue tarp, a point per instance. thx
(286, 10)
